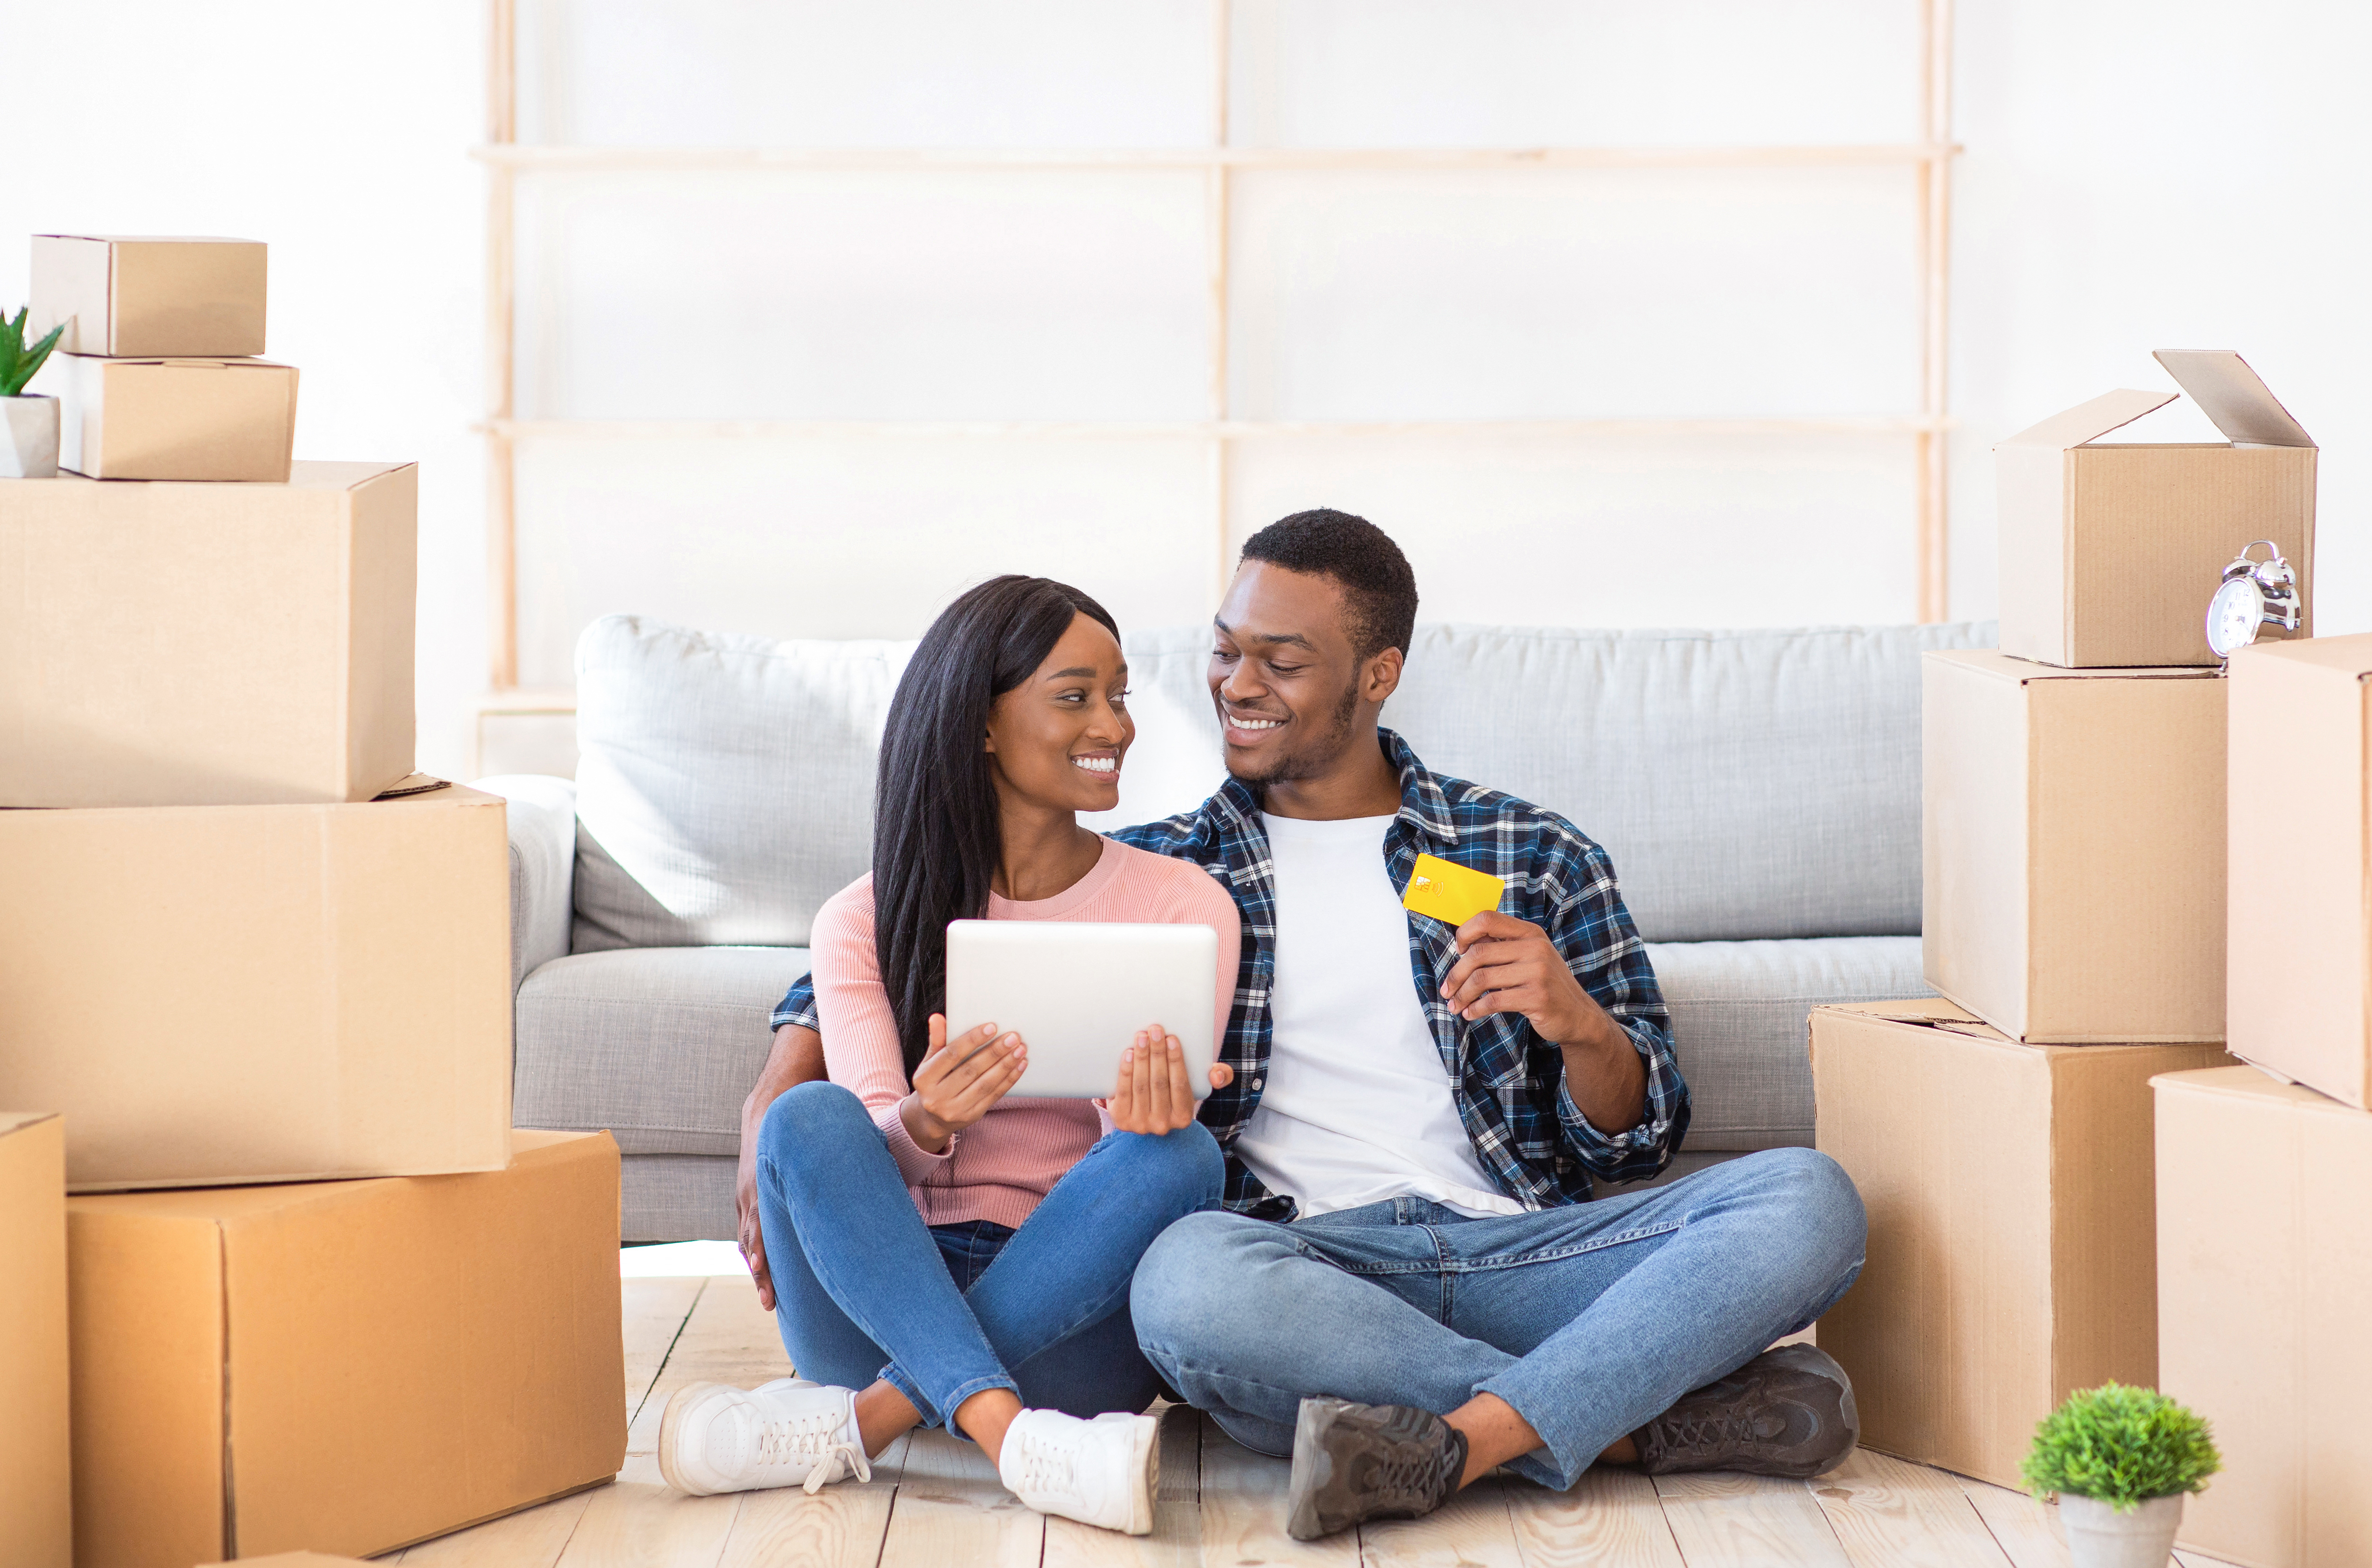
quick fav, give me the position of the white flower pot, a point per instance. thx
(2099, 1537)
(28, 437)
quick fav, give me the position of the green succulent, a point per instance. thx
(18, 362)
(2122, 1446)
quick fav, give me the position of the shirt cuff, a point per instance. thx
(915, 1163)
(1103, 1114)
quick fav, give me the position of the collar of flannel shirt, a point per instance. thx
(1508, 1082)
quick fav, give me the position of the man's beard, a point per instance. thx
(1314, 755)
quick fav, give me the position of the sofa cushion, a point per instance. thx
(656, 1045)
(1741, 1025)
(1761, 784)
(725, 786)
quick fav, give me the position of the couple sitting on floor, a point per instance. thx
(1373, 1248)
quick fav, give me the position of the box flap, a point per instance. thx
(18, 1121)
(2089, 421)
(2229, 392)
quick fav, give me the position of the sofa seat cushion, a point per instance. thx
(656, 1045)
(1741, 1021)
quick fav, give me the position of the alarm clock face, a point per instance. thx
(2234, 615)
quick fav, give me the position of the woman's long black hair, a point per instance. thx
(937, 842)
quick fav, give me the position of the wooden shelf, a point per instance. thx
(1205, 430)
(549, 158)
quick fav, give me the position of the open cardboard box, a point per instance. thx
(2012, 1233)
(144, 296)
(2073, 847)
(2111, 552)
(2298, 987)
(210, 418)
(344, 1366)
(2264, 1228)
(208, 644)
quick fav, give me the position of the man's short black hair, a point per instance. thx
(1354, 552)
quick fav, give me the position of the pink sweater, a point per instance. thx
(1000, 1166)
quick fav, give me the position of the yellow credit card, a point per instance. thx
(1451, 892)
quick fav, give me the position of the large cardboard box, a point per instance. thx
(35, 1488)
(185, 419)
(118, 294)
(234, 993)
(343, 1365)
(2111, 552)
(2074, 835)
(2264, 1225)
(2298, 983)
(208, 644)
(2012, 1245)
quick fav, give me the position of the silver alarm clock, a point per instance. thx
(2252, 595)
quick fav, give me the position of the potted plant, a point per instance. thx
(2121, 1460)
(29, 425)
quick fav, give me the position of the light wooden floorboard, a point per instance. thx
(934, 1499)
(2026, 1531)
(1738, 1521)
(1887, 1512)
(2190, 1559)
(1611, 1519)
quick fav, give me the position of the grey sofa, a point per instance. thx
(1758, 791)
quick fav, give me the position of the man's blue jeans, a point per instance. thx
(864, 1289)
(1591, 1319)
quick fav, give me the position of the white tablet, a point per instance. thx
(1077, 992)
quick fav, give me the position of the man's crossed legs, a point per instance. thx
(1590, 1321)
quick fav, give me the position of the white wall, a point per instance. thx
(2169, 175)
(336, 133)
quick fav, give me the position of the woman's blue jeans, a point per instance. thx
(864, 1289)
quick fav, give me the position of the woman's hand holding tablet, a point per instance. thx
(960, 1080)
(1154, 1093)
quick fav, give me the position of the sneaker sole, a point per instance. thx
(1144, 1462)
(1301, 1518)
(668, 1421)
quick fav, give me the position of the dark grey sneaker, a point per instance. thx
(1787, 1412)
(1352, 1463)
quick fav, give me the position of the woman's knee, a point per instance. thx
(804, 1112)
(1187, 1162)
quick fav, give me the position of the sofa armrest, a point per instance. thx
(542, 820)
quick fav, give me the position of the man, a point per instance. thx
(1410, 1284)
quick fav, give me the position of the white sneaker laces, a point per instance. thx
(818, 1440)
(1047, 1467)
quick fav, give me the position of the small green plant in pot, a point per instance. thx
(2121, 1460)
(29, 425)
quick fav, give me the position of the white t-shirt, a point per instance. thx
(1357, 1106)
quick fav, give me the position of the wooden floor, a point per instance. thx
(935, 1502)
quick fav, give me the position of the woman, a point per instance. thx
(940, 1255)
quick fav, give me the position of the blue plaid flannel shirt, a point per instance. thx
(1509, 1082)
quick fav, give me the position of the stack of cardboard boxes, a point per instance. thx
(2034, 1228)
(255, 974)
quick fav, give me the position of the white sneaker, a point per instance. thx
(715, 1437)
(1101, 1472)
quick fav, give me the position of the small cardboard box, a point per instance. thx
(2011, 1240)
(2074, 848)
(143, 295)
(234, 993)
(208, 644)
(189, 419)
(2299, 976)
(346, 1367)
(2264, 1228)
(2109, 553)
(36, 1489)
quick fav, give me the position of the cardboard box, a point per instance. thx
(2299, 982)
(36, 1487)
(346, 1367)
(2264, 1225)
(2012, 1242)
(2111, 552)
(208, 644)
(233, 993)
(139, 295)
(185, 419)
(2074, 834)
